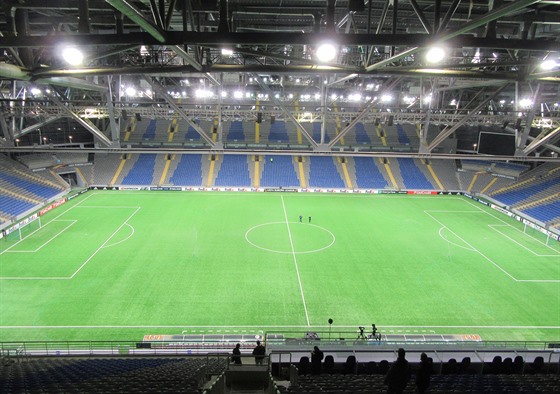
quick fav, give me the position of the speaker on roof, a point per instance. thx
(259, 117)
(390, 121)
(138, 117)
(518, 124)
(377, 121)
(124, 114)
(272, 119)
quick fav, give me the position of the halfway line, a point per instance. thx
(295, 260)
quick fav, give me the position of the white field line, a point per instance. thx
(493, 227)
(507, 224)
(52, 220)
(279, 327)
(104, 243)
(122, 240)
(295, 260)
(83, 264)
(72, 222)
(452, 243)
(473, 248)
(108, 207)
(490, 260)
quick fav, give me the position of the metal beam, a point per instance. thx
(185, 56)
(323, 109)
(159, 89)
(450, 12)
(134, 14)
(113, 125)
(388, 86)
(277, 38)
(443, 37)
(287, 113)
(541, 140)
(529, 121)
(84, 122)
(449, 130)
(349, 126)
(421, 16)
(35, 126)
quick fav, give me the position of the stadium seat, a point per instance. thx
(328, 365)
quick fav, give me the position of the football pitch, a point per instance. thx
(116, 265)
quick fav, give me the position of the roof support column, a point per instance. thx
(159, 89)
(287, 112)
(522, 137)
(449, 130)
(388, 86)
(542, 139)
(324, 111)
(114, 123)
(55, 98)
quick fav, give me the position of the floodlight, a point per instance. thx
(548, 64)
(408, 100)
(227, 52)
(35, 91)
(130, 91)
(73, 56)
(525, 103)
(386, 98)
(435, 55)
(238, 94)
(326, 52)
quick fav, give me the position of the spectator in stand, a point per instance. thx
(236, 358)
(424, 373)
(316, 358)
(398, 375)
(259, 351)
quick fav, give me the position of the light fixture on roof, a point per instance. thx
(227, 52)
(525, 103)
(73, 56)
(326, 52)
(386, 98)
(435, 55)
(35, 91)
(130, 91)
(238, 94)
(548, 64)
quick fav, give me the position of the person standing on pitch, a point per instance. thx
(300, 218)
(309, 219)
(259, 351)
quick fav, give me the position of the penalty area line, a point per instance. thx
(104, 243)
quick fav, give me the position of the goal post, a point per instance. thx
(20, 230)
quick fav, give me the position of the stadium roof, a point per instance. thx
(236, 59)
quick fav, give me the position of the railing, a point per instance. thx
(275, 343)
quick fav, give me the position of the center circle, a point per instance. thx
(291, 237)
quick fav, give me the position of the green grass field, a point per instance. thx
(118, 265)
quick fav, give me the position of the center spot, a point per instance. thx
(275, 237)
